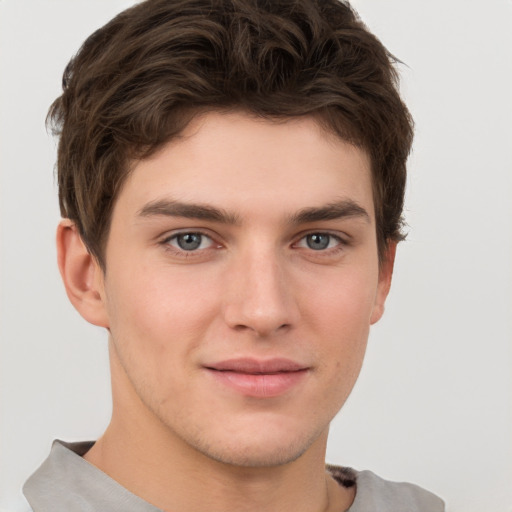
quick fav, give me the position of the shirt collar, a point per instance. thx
(66, 482)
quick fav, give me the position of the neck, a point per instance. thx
(171, 479)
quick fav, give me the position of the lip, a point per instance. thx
(259, 378)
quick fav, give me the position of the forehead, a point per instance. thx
(236, 160)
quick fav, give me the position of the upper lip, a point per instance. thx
(257, 366)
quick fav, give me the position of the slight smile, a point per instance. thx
(259, 379)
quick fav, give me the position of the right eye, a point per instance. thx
(189, 241)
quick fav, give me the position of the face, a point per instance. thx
(241, 281)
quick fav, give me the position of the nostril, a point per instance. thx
(261, 330)
(263, 314)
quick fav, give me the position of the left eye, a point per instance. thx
(319, 241)
(190, 241)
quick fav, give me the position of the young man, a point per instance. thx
(231, 178)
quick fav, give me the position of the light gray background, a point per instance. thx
(433, 404)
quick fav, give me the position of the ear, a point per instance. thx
(81, 274)
(385, 275)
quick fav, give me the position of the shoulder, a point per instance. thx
(375, 493)
(65, 482)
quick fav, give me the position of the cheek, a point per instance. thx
(344, 305)
(158, 313)
(339, 317)
(157, 322)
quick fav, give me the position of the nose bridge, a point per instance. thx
(261, 292)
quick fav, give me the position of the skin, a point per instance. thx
(179, 437)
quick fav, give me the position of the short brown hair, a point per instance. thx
(136, 83)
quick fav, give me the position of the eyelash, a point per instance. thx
(182, 252)
(341, 244)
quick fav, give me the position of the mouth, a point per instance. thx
(259, 378)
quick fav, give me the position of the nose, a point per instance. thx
(260, 297)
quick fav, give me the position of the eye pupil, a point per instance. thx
(318, 241)
(189, 241)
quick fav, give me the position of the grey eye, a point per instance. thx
(189, 241)
(318, 241)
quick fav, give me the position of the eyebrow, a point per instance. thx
(171, 208)
(336, 210)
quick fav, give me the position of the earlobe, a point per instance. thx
(385, 275)
(81, 274)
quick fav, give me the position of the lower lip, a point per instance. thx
(260, 385)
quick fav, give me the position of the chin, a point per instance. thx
(267, 446)
(251, 456)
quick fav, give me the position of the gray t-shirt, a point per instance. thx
(66, 482)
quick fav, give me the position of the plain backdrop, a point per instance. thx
(433, 404)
